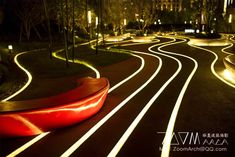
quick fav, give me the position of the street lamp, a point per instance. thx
(159, 21)
(89, 17)
(89, 24)
(10, 48)
(124, 22)
(230, 18)
(96, 21)
(230, 22)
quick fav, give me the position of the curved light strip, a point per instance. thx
(213, 66)
(223, 50)
(78, 62)
(141, 43)
(26, 123)
(232, 38)
(27, 73)
(27, 145)
(171, 123)
(39, 137)
(77, 144)
(165, 151)
(133, 125)
(131, 76)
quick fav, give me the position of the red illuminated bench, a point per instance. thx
(41, 115)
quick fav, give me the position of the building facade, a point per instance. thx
(169, 5)
(230, 15)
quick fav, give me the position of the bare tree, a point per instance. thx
(209, 8)
(79, 13)
(145, 13)
(30, 14)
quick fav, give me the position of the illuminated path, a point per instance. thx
(206, 106)
(37, 138)
(124, 71)
(29, 77)
(123, 80)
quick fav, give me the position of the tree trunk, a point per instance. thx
(66, 34)
(49, 27)
(73, 34)
(36, 31)
(21, 32)
(27, 30)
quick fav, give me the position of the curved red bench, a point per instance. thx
(41, 115)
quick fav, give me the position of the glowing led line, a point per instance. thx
(140, 43)
(227, 74)
(79, 62)
(27, 73)
(213, 66)
(131, 76)
(171, 123)
(27, 123)
(39, 137)
(231, 45)
(77, 144)
(232, 38)
(133, 125)
(128, 132)
(74, 109)
(223, 50)
(27, 145)
(164, 43)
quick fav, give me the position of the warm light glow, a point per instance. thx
(27, 145)
(143, 39)
(27, 73)
(128, 132)
(10, 47)
(79, 62)
(76, 145)
(225, 6)
(96, 21)
(189, 30)
(131, 128)
(211, 42)
(39, 137)
(230, 18)
(202, 19)
(228, 75)
(170, 127)
(131, 76)
(124, 22)
(213, 66)
(89, 17)
(26, 123)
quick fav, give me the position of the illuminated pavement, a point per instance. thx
(136, 115)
